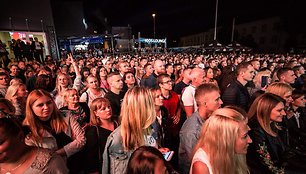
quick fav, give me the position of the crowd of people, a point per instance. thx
(227, 113)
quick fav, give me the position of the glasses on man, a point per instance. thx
(168, 82)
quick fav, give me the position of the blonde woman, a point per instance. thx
(223, 144)
(283, 90)
(137, 115)
(17, 94)
(63, 82)
(79, 110)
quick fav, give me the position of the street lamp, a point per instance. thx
(153, 15)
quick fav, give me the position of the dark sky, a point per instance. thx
(176, 18)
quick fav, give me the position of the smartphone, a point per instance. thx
(264, 81)
(168, 155)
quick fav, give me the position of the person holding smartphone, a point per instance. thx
(261, 81)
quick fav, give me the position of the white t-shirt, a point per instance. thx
(201, 156)
(188, 97)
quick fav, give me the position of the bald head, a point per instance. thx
(197, 76)
(159, 67)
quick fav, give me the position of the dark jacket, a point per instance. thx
(265, 153)
(268, 154)
(150, 82)
(236, 94)
(297, 129)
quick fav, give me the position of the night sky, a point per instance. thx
(176, 18)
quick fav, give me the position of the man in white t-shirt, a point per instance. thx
(197, 78)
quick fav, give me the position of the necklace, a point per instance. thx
(9, 171)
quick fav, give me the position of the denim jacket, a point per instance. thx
(115, 158)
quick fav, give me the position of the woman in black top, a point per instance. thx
(101, 127)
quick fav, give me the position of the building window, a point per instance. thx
(254, 28)
(262, 40)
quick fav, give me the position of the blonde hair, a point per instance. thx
(67, 93)
(261, 110)
(57, 122)
(218, 138)
(279, 88)
(57, 86)
(95, 105)
(137, 114)
(12, 91)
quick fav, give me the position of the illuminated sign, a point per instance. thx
(147, 40)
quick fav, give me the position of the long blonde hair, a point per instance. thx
(137, 114)
(218, 138)
(57, 122)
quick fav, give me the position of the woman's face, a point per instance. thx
(264, 64)
(299, 102)
(278, 112)
(129, 79)
(103, 72)
(105, 112)
(22, 91)
(92, 83)
(288, 98)
(210, 73)
(243, 139)
(63, 81)
(86, 74)
(93, 71)
(43, 108)
(73, 97)
(158, 98)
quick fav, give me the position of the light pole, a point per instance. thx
(153, 15)
(216, 19)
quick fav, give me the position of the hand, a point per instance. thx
(14, 99)
(264, 88)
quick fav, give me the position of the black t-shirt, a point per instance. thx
(178, 88)
(115, 101)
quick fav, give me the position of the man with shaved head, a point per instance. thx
(197, 78)
(159, 68)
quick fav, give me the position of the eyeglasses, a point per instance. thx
(4, 78)
(168, 82)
